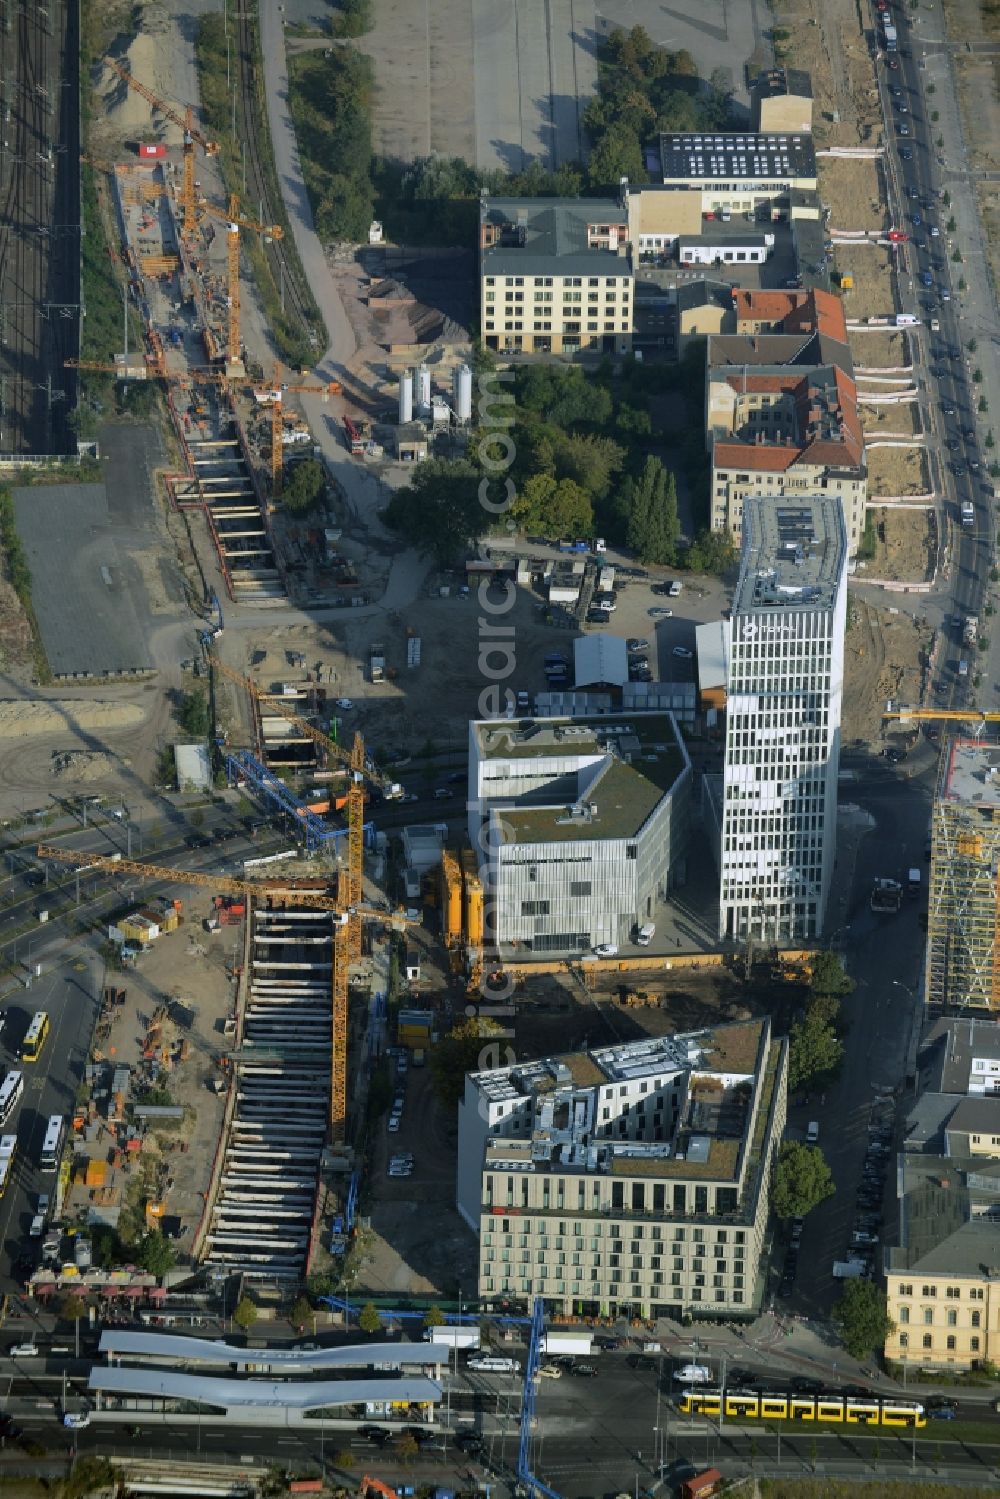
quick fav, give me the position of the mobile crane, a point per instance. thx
(192, 137)
(281, 893)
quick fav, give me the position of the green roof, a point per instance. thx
(625, 796)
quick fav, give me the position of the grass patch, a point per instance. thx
(831, 1488)
(297, 344)
(19, 577)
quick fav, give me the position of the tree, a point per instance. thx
(814, 1052)
(302, 1314)
(72, 1307)
(304, 487)
(828, 976)
(407, 1448)
(653, 525)
(369, 1321)
(344, 1458)
(555, 507)
(440, 511)
(434, 1317)
(245, 1314)
(155, 1253)
(469, 1047)
(862, 1316)
(616, 153)
(710, 552)
(592, 462)
(192, 714)
(802, 1180)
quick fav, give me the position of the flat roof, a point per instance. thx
(971, 774)
(776, 83)
(947, 1219)
(159, 1345)
(600, 659)
(542, 236)
(794, 553)
(740, 155)
(539, 738)
(712, 641)
(957, 1044)
(259, 1394)
(615, 804)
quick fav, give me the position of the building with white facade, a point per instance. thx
(632, 1180)
(580, 825)
(786, 669)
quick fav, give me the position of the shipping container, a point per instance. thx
(156, 153)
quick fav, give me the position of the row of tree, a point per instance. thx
(331, 100)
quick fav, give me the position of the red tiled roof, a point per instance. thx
(766, 306)
(795, 311)
(749, 455)
(841, 447)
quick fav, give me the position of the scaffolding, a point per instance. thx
(242, 767)
(963, 919)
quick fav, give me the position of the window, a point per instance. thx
(904, 1314)
(952, 1319)
(929, 1291)
(905, 1290)
(976, 1319)
(951, 1345)
(928, 1316)
(974, 1345)
(927, 1340)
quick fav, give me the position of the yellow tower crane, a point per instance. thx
(941, 715)
(234, 223)
(192, 137)
(273, 396)
(285, 893)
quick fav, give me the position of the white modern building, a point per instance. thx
(783, 700)
(631, 1180)
(580, 825)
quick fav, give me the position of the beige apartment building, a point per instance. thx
(632, 1180)
(555, 276)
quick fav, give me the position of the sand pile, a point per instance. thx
(85, 765)
(18, 719)
(127, 109)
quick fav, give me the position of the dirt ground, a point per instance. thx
(882, 659)
(176, 1000)
(875, 351)
(900, 419)
(979, 100)
(893, 471)
(871, 294)
(906, 544)
(854, 192)
(828, 42)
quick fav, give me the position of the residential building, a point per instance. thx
(963, 956)
(739, 172)
(813, 321)
(555, 275)
(717, 245)
(781, 101)
(581, 825)
(702, 307)
(957, 1108)
(783, 700)
(943, 1278)
(630, 1180)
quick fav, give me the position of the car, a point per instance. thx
(942, 1413)
(76, 1419)
(642, 675)
(952, 443)
(682, 653)
(636, 643)
(402, 1158)
(902, 129)
(948, 409)
(693, 1374)
(940, 1403)
(42, 1205)
(902, 106)
(24, 1350)
(640, 1361)
(399, 1173)
(550, 1371)
(926, 279)
(897, 236)
(895, 91)
(606, 949)
(661, 613)
(802, 1386)
(968, 433)
(393, 1125)
(906, 153)
(443, 793)
(892, 64)
(974, 464)
(584, 1371)
(346, 703)
(919, 244)
(741, 1376)
(469, 1441)
(963, 668)
(197, 840)
(420, 1434)
(601, 616)
(945, 294)
(934, 232)
(637, 663)
(377, 1434)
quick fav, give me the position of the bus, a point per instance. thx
(31, 1046)
(52, 1146)
(8, 1149)
(10, 1095)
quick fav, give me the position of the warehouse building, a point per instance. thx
(783, 702)
(963, 955)
(628, 1181)
(582, 825)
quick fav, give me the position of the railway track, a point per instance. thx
(286, 271)
(39, 227)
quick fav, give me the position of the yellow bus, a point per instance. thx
(31, 1046)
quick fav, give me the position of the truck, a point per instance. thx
(913, 882)
(891, 39)
(453, 1337)
(886, 896)
(906, 319)
(968, 513)
(376, 663)
(580, 1344)
(970, 630)
(848, 1269)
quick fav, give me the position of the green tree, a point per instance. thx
(470, 1047)
(862, 1317)
(814, 1052)
(155, 1253)
(616, 153)
(802, 1180)
(192, 714)
(245, 1314)
(369, 1321)
(827, 975)
(440, 511)
(710, 552)
(555, 507)
(72, 1307)
(590, 461)
(302, 1314)
(344, 1458)
(304, 487)
(434, 1317)
(407, 1448)
(653, 525)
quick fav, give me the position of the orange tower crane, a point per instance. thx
(234, 223)
(192, 137)
(285, 893)
(273, 396)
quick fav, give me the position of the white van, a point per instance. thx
(645, 934)
(493, 1363)
(812, 1132)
